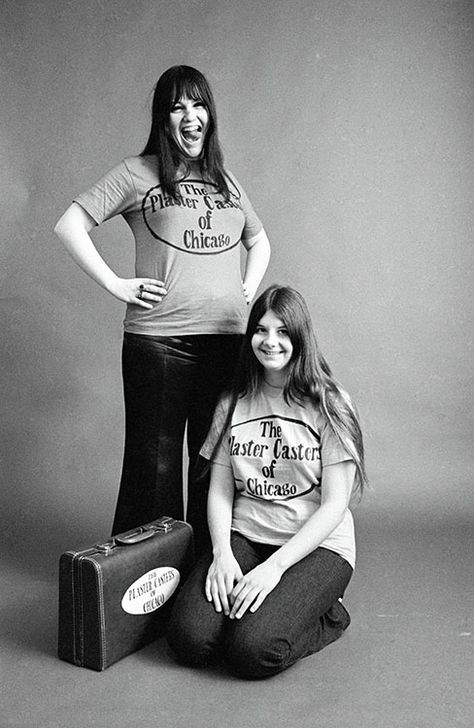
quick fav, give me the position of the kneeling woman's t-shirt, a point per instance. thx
(277, 452)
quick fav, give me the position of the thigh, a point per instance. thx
(156, 375)
(192, 593)
(306, 591)
(195, 628)
(297, 618)
(312, 585)
(218, 357)
(196, 632)
(156, 391)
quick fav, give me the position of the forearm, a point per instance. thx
(224, 570)
(258, 256)
(336, 489)
(311, 535)
(219, 507)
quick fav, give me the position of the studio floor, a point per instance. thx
(406, 661)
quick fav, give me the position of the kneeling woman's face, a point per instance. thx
(189, 122)
(272, 346)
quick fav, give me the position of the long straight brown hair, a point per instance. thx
(173, 84)
(309, 375)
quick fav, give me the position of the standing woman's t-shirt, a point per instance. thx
(277, 452)
(192, 245)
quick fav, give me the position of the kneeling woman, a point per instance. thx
(286, 457)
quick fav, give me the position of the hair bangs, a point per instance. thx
(192, 87)
(174, 84)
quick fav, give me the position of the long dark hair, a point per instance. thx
(173, 84)
(309, 375)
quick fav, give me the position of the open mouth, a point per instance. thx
(192, 134)
(271, 353)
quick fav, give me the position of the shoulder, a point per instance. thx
(139, 166)
(223, 406)
(240, 406)
(234, 185)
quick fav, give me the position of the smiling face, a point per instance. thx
(272, 346)
(188, 123)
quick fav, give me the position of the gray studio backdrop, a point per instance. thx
(350, 126)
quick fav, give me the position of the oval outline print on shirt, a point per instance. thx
(269, 450)
(200, 236)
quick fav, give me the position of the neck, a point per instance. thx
(189, 166)
(275, 379)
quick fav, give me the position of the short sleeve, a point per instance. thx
(332, 451)
(114, 194)
(252, 225)
(222, 456)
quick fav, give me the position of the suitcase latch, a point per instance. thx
(165, 524)
(106, 547)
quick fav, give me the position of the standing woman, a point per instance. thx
(286, 458)
(186, 305)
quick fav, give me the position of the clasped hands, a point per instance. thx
(233, 592)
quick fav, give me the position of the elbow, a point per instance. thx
(267, 248)
(259, 242)
(262, 248)
(72, 220)
(57, 228)
(265, 242)
(61, 225)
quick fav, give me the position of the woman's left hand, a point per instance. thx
(251, 590)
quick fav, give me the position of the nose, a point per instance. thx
(271, 339)
(189, 111)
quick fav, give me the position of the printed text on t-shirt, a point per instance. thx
(275, 457)
(203, 230)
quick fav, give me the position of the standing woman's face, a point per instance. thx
(189, 122)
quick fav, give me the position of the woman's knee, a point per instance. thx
(252, 658)
(188, 642)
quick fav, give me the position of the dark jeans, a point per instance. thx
(168, 383)
(299, 617)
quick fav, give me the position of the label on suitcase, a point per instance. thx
(116, 596)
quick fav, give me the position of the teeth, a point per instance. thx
(191, 133)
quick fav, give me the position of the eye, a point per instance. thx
(199, 102)
(176, 107)
(283, 332)
(259, 330)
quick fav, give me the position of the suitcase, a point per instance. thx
(116, 596)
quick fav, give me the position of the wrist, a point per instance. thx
(110, 282)
(247, 294)
(277, 560)
(221, 549)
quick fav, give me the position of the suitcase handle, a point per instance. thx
(137, 535)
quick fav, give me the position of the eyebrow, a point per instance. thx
(262, 326)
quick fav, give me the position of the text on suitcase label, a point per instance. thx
(151, 590)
